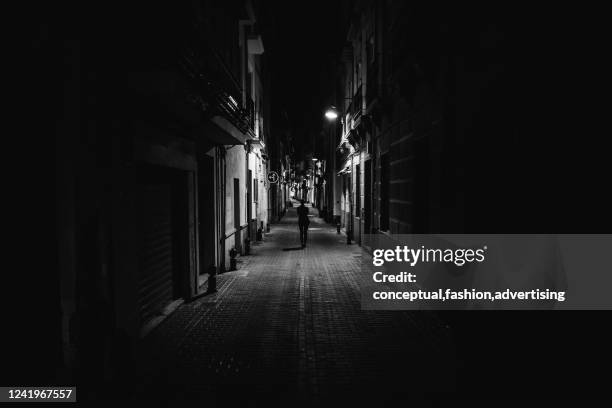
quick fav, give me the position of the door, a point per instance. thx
(163, 235)
(367, 200)
(238, 240)
(249, 203)
(256, 202)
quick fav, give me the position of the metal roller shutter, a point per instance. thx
(155, 280)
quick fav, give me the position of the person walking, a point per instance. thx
(303, 222)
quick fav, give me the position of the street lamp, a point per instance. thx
(331, 113)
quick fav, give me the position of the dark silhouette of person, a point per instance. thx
(303, 222)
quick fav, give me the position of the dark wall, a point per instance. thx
(512, 92)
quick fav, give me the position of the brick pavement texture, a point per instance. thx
(287, 329)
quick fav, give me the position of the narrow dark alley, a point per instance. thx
(289, 321)
(449, 157)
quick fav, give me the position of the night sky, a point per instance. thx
(301, 40)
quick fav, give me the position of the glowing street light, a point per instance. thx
(331, 113)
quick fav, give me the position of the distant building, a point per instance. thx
(280, 150)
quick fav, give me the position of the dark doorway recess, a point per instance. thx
(163, 254)
(367, 200)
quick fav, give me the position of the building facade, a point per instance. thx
(396, 135)
(163, 178)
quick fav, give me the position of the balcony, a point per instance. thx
(355, 108)
(216, 90)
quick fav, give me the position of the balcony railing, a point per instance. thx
(355, 108)
(216, 88)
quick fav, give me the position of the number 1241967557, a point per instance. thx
(39, 393)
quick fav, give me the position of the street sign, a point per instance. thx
(273, 177)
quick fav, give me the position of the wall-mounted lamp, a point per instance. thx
(331, 113)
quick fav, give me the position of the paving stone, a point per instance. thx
(290, 322)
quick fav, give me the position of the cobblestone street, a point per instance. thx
(289, 321)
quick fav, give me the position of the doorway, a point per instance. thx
(367, 199)
(206, 215)
(238, 240)
(249, 203)
(163, 239)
